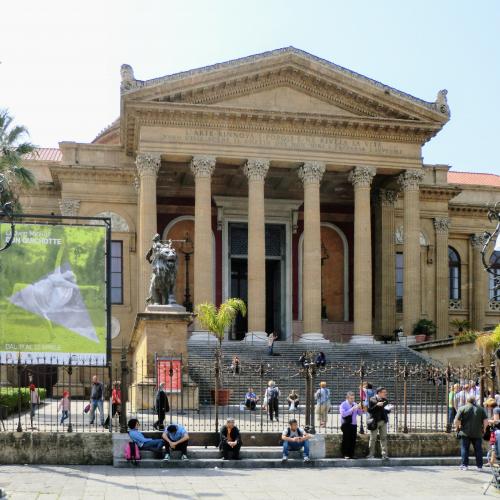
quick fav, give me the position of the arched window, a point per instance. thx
(495, 269)
(455, 274)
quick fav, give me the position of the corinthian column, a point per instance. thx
(410, 182)
(147, 165)
(256, 171)
(478, 305)
(361, 178)
(441, 226)
(202, 168)
(310, 174)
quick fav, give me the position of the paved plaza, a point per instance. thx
(103, 482)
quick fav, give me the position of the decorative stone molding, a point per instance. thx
(455, 304)
(388, 197)
(362, 176)
(399, 238)
(118, 223)
(148, 164)
(410, 179)
(256, 169)
(203, 165)
(442, 224)
(477, 240)
(441, 103)
(69, 207)
(136, 183)
(311, 172)
(128, 80)
(494, 305)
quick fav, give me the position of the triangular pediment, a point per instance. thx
(284, 99)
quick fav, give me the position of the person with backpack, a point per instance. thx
(271, 399)
(471, 423)
(349, 411)
(230, 440)
(162, 407)
(176, 437)
(322, 398)
(294, 439)
(378, 410)
(143, 442)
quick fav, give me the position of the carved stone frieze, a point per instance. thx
(311, 172)
(478, 240)
(148, 164)
(69, 207)
(362, 176)
(410, 179)
(256, 169)
(442, 224)
(388, 197)
(203, 165)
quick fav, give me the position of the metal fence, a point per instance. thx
(419, 393)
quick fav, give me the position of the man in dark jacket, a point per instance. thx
(162, 407)
(378, 409)
(96, 400)
(230, 441)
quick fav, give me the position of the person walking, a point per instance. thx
(378, 409)
(230, 440)
(471, 423)
(34, 400)
(96, 400)
(271, 338)
(322, 398)
(162, 406)
(452, 411)
(116, 401)
(349, 411)
(64, 406)
(271, 398)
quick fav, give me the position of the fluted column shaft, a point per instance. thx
(256, 171)
(310, 174)
(410, 181)
(387, 199)
(479, 275)
(441, 226)
(202, 168)
(148, 165)
(361, 178)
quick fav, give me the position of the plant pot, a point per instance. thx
(223, 396)
(421, 337)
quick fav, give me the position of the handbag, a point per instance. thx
(487, 434)
(371, 424)
(87, 408)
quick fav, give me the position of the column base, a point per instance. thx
(200, 336)
(313, 338)
(251, 337)
(361, 339)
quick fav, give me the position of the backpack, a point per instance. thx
(132, 452)
(288, 432)
(272, 393)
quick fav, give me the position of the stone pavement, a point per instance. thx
(103, 482)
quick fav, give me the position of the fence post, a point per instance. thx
(19, 426)
(448, 389)
(405, 398)
(70, 372)
(481, 380)
(362, 373)
(124, 390)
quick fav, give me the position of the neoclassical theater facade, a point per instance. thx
(291, 182)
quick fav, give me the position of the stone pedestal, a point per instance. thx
(313, 338)
(160, 331)
(254, 337)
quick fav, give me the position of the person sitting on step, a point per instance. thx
(230, 440)
(294, 439)
(293, 400)
(251, 399)
(176, 437)
(144, 443)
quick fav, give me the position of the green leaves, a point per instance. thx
(216, 321)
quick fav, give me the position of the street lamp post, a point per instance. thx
(187, 249)
(7, 213)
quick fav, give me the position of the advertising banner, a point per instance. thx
(53, 294)
(169, 372)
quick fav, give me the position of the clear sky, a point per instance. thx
(60, 60)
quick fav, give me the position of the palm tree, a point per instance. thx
(14, 147)
(216, 322)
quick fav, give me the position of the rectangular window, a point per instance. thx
(117, 272)
(399, 282)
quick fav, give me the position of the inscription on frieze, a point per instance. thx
(272, 141)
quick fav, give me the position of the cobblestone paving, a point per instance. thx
(103, 482)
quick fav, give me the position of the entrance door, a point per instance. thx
(275, 276)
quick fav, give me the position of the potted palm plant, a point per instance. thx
(460, 325)
(216, 321)
(424, 330)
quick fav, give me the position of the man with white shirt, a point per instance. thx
(295, 438)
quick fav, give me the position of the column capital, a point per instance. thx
(256, 169)
(148, 164)
(442, 224)
(388, 197)
(311, 172)
(362, 176)
(203, 165)
(478, 240)
(410, 180)
(69, 206)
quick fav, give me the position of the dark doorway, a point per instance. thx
(239, 288)
(273, 297)
(43, 376)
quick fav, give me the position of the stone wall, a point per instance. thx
(444, 351)
(56, 448)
